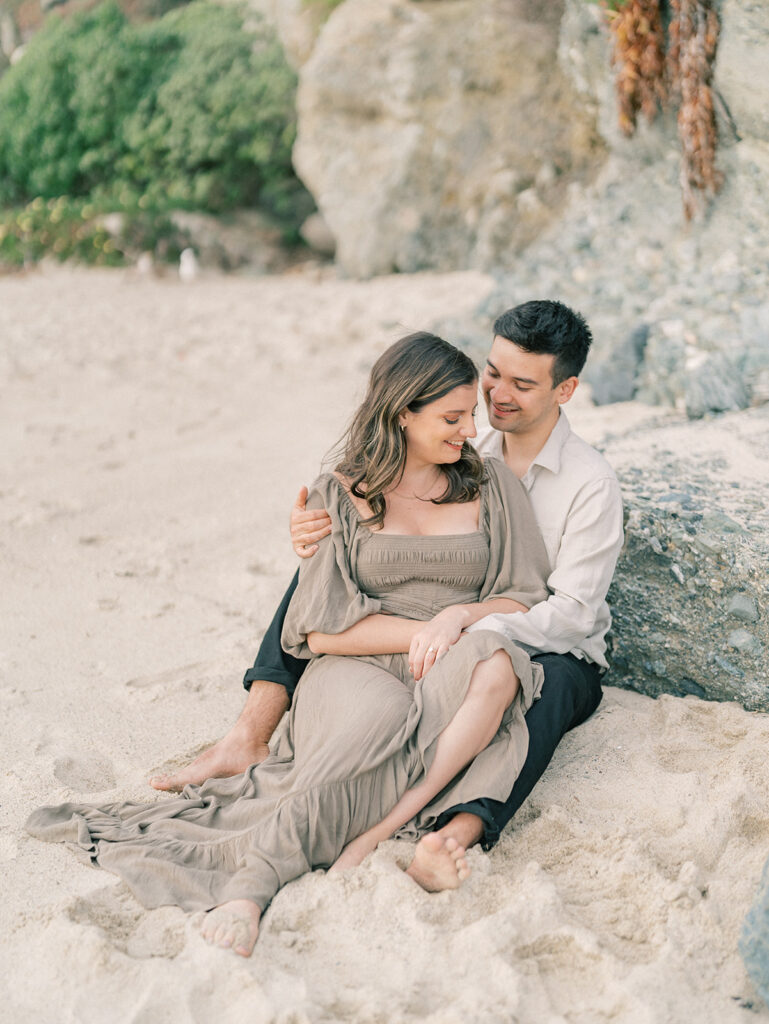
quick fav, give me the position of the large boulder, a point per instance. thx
(743, 57)
(691, 592)
(439, 135)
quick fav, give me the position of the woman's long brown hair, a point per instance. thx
(412, 373)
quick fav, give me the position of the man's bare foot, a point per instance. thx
(230, 756)
(438, 863)
(233, 925)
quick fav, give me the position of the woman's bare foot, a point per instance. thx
(230, 756)
(233, 925)
(438, 863)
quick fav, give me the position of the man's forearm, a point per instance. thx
(376, 634)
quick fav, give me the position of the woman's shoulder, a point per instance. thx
(331, 491)
(501, 480)
(325, 489)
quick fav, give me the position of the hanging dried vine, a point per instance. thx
(639, 59)
(647, 80)
(694, 29)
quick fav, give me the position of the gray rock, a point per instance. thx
(743, 607)
(316, 233)
(685, 572)
(615, 379)
(240, 240)
(754, 938)
(713, 384)
(744, 642)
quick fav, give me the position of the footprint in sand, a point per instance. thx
(84, 774)
(139, 933)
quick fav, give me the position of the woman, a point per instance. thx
(400, 714)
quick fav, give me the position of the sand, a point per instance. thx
(154, 436)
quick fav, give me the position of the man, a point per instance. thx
(538, 352)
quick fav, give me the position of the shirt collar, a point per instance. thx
(549, 455)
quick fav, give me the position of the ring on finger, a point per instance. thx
(431, 650)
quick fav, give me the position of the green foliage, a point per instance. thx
(76, 229)
(190, 110)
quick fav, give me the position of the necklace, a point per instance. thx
(417, 497)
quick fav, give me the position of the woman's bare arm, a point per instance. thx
(376, 634)
(390, 634)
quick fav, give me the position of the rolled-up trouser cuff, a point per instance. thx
(491, 830)
(271, 675)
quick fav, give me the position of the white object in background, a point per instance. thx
(189, 268)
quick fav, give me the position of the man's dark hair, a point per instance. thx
(550, 328)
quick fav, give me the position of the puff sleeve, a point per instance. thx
(327, 598)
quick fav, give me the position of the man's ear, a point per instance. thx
(566, 389)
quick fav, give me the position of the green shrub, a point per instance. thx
(76, 229)
(190, 110)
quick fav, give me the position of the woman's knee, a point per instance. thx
(495, 679)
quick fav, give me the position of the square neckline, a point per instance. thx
(415, 536)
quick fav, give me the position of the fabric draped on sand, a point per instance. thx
(360, 731)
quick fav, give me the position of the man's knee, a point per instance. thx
(572, 689)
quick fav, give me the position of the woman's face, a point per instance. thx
(435, 435)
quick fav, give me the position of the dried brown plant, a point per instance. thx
(694, 29)
(639, 59)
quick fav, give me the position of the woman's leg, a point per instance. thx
(349, 719)
(492, 689)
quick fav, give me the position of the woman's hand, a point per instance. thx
(434, 639)
(307, 528)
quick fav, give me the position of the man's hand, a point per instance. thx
(307, 528)
(434, 639)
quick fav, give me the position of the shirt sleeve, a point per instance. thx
(327, 599)
(580, 580)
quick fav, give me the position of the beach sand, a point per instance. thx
(154, 436)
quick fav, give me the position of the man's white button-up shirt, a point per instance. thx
(578, 505)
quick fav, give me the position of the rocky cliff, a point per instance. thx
(440, 135)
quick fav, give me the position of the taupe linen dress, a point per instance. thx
(360, 731)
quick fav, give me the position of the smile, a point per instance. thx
(456, 444)
(499, 411)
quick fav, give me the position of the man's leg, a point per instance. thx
(570, 694)
(270, 684)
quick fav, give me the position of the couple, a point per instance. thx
(418, 613)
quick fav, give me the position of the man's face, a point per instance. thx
(518, 388)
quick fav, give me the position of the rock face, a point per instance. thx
(438, 134)
(691, 592)
(679, 311)
(741, 76)
(754, 939)
(445, 135)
